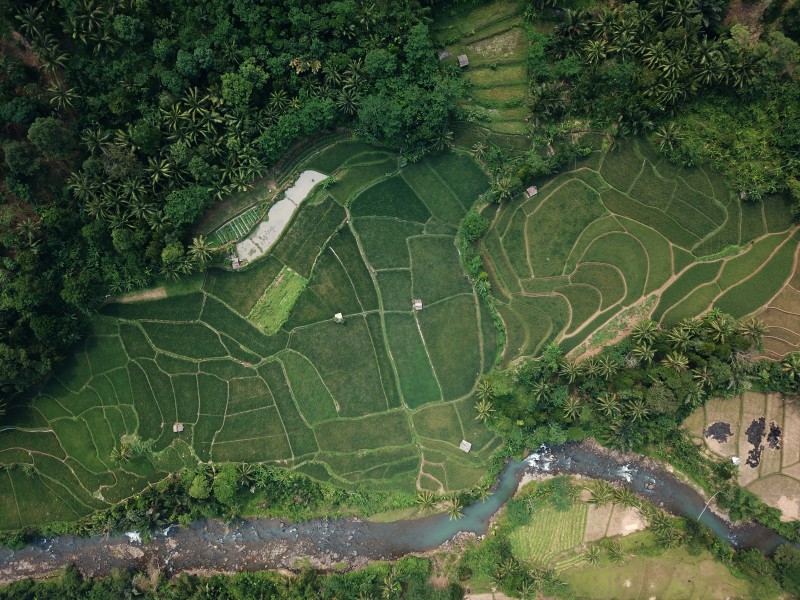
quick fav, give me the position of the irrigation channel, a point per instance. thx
(253, 544)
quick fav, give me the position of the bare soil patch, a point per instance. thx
(151, 294)
(764, 431)
(504, 45)
(781, 315)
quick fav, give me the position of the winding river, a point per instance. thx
(350, 542)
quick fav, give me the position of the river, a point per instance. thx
(255, 544)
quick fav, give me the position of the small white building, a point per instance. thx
(235, 262)
(532, 191)
(463, 61)
(417, 304)
(177, 428)
(465, 446)
(338, 317)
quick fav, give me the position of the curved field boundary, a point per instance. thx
(646, 233)
(342, 402)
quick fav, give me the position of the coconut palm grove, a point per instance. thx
(339, 266)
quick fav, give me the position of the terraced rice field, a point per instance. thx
(626, 229)
(493, 38)
(782, 318)
(382, 400)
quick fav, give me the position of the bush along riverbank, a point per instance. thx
(508, 558)
(520, 564)
(635, 395)
(407, 579)
(233, 491)
(227, 491)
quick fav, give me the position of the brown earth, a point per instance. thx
(775, 478)
(782, 318)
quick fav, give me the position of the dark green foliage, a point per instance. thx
(139, 118)
(410, 574)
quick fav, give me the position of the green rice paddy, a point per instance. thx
(493, 39)
(623, 226)
(254, 367)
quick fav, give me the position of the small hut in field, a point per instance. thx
(463, 61)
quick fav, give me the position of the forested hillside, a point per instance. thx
(122, 121)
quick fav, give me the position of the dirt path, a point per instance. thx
(143, 296)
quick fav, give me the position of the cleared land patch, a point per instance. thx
(763, 430)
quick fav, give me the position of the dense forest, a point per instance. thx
(706, 91)
(122, 122)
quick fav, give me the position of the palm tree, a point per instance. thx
(194, 104)
(83, 187)
(607, 367)
(602, 493)
(791, 366)
(702, 375)
(594, 51)
(503, 187)
(484, 491)
(570, 370)
(540, 390)
(614, 552)
(645, 331)
(158, 171)
(200, 250)
(572, 408)
(668, 137)
(644, 352)
(637, 410)
(679, 12)
(31, 21)
(484, 409)
(348, 101)
(62, 96)
(625, 497)
(719, 326)
(425, 500)
(676, 360)
(590, 367)
(95, 139)
(485, 390)
(608, 404)
(679, 338)
(479, 150)
(694, 395)
(753, 330)
(454, 509)
(592, 554)
(121, 454)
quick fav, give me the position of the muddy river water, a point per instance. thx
(254, 544)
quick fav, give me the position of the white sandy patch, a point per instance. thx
(304, 184)
(267, 233)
